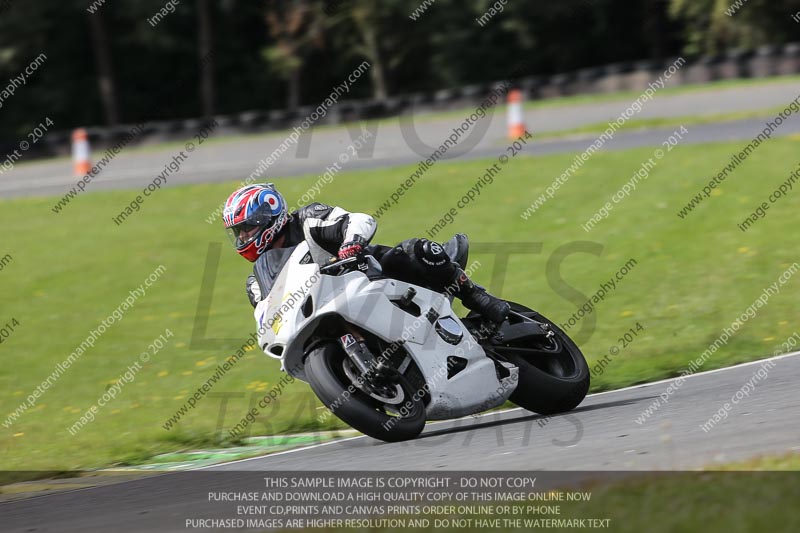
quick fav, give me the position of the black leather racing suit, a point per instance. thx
(418, 261)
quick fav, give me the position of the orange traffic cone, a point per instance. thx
(81, 156)
(516, 125)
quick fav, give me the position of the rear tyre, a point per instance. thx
(553, 376)
(389, 410)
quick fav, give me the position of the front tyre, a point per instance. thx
(553, 376)
(389, 410)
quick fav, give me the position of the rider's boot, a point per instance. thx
(476, 298)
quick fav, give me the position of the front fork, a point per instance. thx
(369, 366)
(356, 349)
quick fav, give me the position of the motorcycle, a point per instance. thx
(386, 356)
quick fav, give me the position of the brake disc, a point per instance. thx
(371, 390)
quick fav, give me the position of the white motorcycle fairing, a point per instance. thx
(302, 296)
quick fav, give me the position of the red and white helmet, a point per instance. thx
(253, 217)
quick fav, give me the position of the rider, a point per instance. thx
(257, 219)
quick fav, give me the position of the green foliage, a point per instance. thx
(265, 51)
(713, 26)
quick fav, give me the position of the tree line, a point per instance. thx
(109, 63)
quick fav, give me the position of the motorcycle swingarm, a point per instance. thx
(529, 329)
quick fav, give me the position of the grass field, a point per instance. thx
(68, 272)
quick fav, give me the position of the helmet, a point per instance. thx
(253, 217)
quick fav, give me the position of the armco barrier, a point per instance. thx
(761, 62)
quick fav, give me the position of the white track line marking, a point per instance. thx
(491, 413)
(160, 474)
(276, 453)
(706, 372)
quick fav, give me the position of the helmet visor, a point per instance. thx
(243, 234)
(250, 229)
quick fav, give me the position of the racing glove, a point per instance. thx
(351, 248)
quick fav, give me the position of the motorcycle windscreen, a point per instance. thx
(269, 265)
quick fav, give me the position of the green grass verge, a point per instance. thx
(681, 89)
(664, 502)
(70, 271)
(661, 122)
(789, 461)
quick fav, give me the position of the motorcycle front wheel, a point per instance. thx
(388, 409)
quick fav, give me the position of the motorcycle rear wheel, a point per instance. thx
(553, 377)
